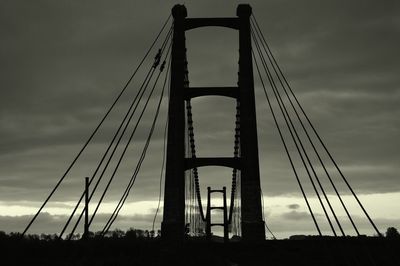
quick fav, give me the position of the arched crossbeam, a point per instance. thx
(192, 23)
(193, 92)
(231, 162)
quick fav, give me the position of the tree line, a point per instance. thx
(131, 233)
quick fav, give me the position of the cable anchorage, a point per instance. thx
(157, 59)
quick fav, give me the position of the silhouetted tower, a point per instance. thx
(174, 197)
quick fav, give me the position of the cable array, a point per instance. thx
(88, 141)
(143, 155)
(283, 94)
(195, 213)
(234, 209)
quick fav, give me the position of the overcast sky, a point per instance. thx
(63, 63)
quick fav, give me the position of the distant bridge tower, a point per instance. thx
(174, 197)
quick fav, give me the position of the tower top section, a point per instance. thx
(179, 11)
(243, 10)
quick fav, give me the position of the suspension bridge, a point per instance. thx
(185, 211)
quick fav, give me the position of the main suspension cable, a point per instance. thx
(292, 130)
(95, 130)
(123, 123)
(263, 215)
(165, 135)
(285, 146)
(304, 129)
(156, 63)
(141, 92)
(290, 124)
(321, 141)
(101, 161)
(133, 177)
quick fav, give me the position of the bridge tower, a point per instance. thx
(174, 197)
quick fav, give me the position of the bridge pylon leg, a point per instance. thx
(252, 223)
(173, 225)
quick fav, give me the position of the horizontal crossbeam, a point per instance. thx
(231, 162)
(218, 224)
(193, 92)
(217, 190)
(192, 23)
(217, 208)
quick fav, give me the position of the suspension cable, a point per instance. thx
(123, 123)
(289, 122)
(141, 92)
(145, 84)
(292, 129)
(322, 143)
(196, 212)
(121, 157)
(193, 155)
(285, 146)
(133, 177)
(95, 130)
(301, 144)
(236, 219)
(162, 166)
(156, 63)
(236, 151)
(263, 214)
(112, 142)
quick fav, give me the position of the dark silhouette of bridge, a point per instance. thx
(244, 215)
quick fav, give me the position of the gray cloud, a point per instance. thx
(295, 215)
(283, 226)
(63, 62)
(53, 223)
(294, 206)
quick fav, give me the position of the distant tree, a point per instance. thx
(139, 233)
(3, 235)
(158, 233)
(131, 233)
(30, 236)
(90, 234)
(70, 236)
(48, 237)
(98, 235)
(108, 234)
(392, 232)
(117, 233)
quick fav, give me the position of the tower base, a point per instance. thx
(253, 231)
(172, 232)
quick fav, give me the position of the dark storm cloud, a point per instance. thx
(62, 63)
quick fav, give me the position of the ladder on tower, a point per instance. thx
(223, 208)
